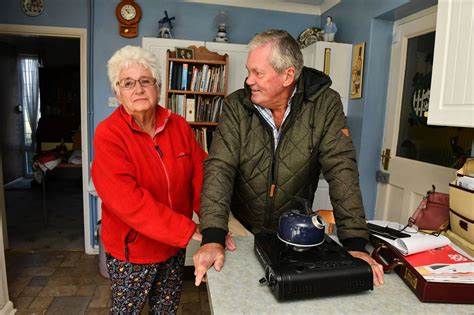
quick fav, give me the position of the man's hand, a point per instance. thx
(377, 269)
(206, 256)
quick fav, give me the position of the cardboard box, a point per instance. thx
(462, 243)
(462, 226)
(461, 200)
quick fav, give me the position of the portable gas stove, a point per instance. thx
(297, 273)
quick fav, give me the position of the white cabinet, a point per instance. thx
(452, 84)
(237, 58)
(339, 58)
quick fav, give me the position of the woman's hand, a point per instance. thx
(197, 236)
(229, 242)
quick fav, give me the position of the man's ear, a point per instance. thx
(289, 76)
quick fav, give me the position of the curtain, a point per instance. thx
(30, 94)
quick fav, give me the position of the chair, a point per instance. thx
(328, 216)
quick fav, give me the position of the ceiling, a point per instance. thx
(316, 7)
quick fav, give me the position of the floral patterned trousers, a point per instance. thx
(132, 284)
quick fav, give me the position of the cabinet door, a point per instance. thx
(339, 57)
(452, 94)
(237, 59)
(159, 46)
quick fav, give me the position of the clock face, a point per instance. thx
(128, 12)
(32, 7)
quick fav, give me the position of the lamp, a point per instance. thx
(221, 21)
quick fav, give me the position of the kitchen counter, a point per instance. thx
(236, 290)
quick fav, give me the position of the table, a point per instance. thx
(236, 290)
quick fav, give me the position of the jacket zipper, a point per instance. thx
(160, 155)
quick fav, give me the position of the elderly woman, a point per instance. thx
(148, 172)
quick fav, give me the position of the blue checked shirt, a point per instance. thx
(268, 116)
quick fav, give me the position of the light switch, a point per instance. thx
(113, 102)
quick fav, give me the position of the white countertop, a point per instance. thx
(236, 290)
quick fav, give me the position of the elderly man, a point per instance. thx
(275, 137)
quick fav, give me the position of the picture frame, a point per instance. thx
(184, 53)
(357, 70)
(327, 61)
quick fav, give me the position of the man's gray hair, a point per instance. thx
(130, 56)
(285, 51)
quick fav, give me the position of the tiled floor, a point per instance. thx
(47, 269)
(70, 283)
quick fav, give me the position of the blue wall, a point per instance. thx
(369, 21)
(193, 21)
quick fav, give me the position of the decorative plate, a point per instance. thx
(32, 7)
(309, 36)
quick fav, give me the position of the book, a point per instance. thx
(190, 110)
(184, 77)
(443, 264)
(170, 77)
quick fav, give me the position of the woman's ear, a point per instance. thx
(289, 76)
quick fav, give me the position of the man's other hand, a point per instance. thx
(206, 256)
(377, 269)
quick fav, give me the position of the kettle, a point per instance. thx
(301, 227)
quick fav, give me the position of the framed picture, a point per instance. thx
(327, 61)
(357, 70)
(184, 53)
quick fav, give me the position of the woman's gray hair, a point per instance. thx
(285, 51)
(129, 56)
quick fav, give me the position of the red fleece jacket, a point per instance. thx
(149, 187)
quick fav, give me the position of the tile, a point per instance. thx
(31, 291)
(41, 302)
(98, 311)
(38, 271)
(71, 259)
(67, 290)
(189, 297)
(86, 290)
(15, 288)
(101, 297)
(22, 303)
(39, 281)
(191, 309)
(68, 305)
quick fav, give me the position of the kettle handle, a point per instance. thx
(305, 203)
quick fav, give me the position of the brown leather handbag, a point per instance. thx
(433, 212)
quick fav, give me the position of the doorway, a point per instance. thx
(79, 35)
(421, 155)
(44, 211)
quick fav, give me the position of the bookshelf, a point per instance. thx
(195, 89)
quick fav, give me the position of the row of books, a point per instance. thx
(197, 108)
(203, 137)
(203, 78)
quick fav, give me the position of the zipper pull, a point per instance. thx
(160, 153)
(272, 190)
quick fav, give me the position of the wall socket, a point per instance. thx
(113, 102)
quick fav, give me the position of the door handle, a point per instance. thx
(385, 159)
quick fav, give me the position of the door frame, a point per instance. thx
(81, 34)
(391, 129)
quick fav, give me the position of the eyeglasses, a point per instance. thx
(129, 83)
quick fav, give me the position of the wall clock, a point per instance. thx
(32, 7)
(128, 14)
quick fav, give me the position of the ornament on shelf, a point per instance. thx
(222, 22)
(165, 26)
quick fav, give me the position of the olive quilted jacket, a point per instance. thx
(243, 173)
